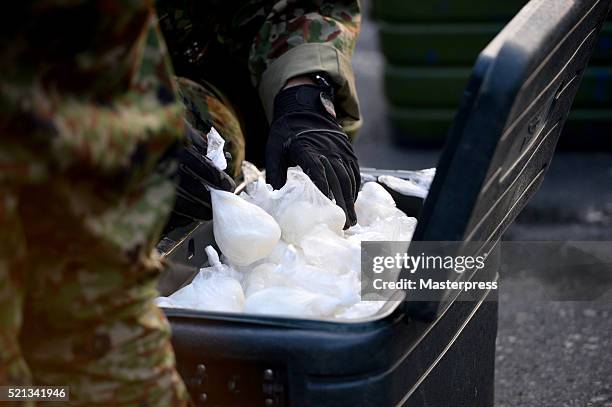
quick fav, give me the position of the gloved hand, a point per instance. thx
(304, 132)
(196, 172)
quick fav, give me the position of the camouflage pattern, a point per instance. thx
(292, 23)
(88, 115)
(255, 34)
(256, 31)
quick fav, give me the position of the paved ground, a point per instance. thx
(548, 353)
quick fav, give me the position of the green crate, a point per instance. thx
(424, 87)
(446, 10)
(414, 126)
(455, 43)
(435, 44)
(586, 128)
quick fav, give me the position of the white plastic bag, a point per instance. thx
(313, 271)
(373, 203)
(250, 172)
(290, 301)
(360, 309)
(214, 150)
(299, 206)
(278, 252)
(186, 297)
(377, 217)
(398, 227)
(328, 250)
(217, 267)
(342, 285)
(165, 302)
(417, 183)
(212, 289)
(260, 194)
(263, 276)
(244, 232)
(217, 292)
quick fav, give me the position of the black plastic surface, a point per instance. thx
(380, 363)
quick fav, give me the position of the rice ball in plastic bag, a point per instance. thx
(290, 301)
(244, 232)
(298, 206)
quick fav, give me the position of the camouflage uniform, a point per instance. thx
(87, 113)
(249, 49)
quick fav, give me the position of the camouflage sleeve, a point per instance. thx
(96, 97)
(305, 36)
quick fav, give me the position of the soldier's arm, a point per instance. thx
(302, 37)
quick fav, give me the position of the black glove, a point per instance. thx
(305, 133)
(196, 172)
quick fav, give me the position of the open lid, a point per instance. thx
(509, 120)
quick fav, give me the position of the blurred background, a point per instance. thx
(412, 63)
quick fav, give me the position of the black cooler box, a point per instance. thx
(409, 353)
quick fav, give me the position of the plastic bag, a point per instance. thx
(214, 150)
(398, 227)
(373, 203)
(250, 172)
(417, 183)
(210, 293)
(217, 267)
(377, 217)
(288, 250)
(290, 301)
(278, 252)
(327, 250)
(297, 273)
(263, 276)
(299, 206)
(360, 309)
(165, 302)
(219, 293)
(212, 289)
(260, 194)
(244, 232)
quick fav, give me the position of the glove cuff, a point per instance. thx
(301, 98)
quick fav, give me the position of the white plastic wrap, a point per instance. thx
(244, 232)
(263, 276)
(278, 252)
(373, 203)
(290, 301)
(398, 227)
(214, 150)
(335, 283)
(212, 289)
(298, 206)
(288, 252)
(250, 172)
(208, 293)
(216, 292)
(360, 310)
(326, 249)
(417, 183)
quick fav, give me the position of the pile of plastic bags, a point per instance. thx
(284, 251)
